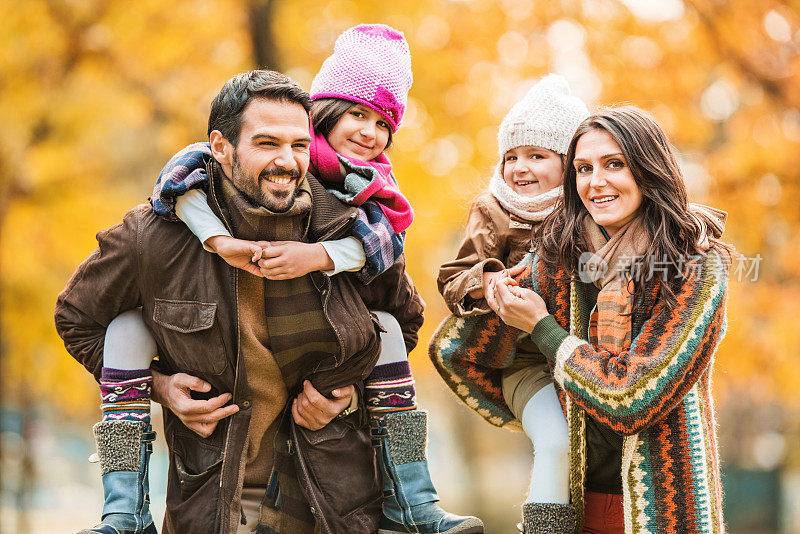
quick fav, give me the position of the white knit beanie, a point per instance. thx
(547, 116)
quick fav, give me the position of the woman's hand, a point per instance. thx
(516, 306)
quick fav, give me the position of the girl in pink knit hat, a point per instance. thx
(359, 98)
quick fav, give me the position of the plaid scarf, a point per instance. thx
(361, 181)
(187, 170)
(608, 268)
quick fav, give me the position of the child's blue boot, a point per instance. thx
(409, 495)
(124, 449)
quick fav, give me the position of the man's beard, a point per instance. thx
(275, 201)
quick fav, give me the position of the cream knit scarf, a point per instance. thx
(533, 209)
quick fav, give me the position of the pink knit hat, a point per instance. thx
(370, 65)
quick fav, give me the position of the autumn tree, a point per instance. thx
(96, 95)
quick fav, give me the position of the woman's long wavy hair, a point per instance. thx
(664, 210)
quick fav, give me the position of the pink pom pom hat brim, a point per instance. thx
(357, 100)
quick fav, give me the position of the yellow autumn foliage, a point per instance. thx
(96, 96)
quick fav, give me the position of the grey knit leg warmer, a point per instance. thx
(548, 518)
(408, 435)
(124, 449)
(119, 445)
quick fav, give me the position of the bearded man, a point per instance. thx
(250, 336)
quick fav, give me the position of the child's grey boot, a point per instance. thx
(409, 495)
(124, 449)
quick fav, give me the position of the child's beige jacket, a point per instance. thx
(493, 240)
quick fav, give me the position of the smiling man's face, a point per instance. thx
(272, 155)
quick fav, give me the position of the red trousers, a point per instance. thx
(603, 513)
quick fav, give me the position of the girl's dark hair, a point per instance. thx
(326, 112)
(664, 210)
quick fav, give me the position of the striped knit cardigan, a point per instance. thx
(657, 394)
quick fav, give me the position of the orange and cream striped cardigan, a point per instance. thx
(657, 393)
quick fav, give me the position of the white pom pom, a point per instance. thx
(553, 83)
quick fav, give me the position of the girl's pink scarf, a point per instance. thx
(382, 188)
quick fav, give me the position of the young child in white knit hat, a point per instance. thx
(525, 187)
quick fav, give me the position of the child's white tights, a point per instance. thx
(393, 347)
(128, 343)
(543, 422)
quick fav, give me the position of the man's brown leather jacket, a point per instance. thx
(188, 301)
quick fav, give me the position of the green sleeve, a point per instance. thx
(548, 335)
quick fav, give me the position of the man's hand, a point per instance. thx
(313, 411)
(237, 252)
(283, 260)
(173, 392)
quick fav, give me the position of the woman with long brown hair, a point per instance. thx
(625, 296)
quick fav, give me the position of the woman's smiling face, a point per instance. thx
(361, 133)
(604, 181)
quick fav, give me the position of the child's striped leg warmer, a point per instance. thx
(390, 388)
(125, 394)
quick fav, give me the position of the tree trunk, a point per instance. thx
(265, 53)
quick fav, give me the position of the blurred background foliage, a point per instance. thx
(95, 95)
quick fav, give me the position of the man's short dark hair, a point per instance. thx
(229, 104)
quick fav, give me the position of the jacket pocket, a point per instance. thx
(341, 475)
(190, 482)
(195, 458)
(196, 462)
(196, 468)
(192, 337)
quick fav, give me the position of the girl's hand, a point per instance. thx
(283, 260)
(487, 278)
(496, 275)
(516, 306)
(237, 252)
